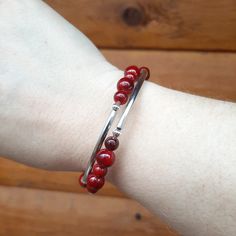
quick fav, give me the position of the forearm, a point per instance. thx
(178, 159)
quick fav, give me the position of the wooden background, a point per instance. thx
(189, 46)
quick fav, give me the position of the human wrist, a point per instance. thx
(138, 76)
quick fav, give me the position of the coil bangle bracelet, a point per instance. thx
(93, 177)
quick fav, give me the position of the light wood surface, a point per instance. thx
(15, 174)
(206, 74)
(38, 212)
(166, 24)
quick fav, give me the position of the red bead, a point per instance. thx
(131, 77)
(148, 71)
(99, 171)
(121, 97)
(111, 143)
(94, 183)
(92, 190)
(125, 84)
(134, 70)
(105, 158)
(80, 181)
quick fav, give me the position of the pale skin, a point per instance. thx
(177, 154)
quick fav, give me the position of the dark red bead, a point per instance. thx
(105, 158)
(99, 171)
(125, 84)
(80, 181)
(94, 183)
(121, 97)
(134, 70)
(92, 190)
(148, 71)
(131, 77)
(112, 143)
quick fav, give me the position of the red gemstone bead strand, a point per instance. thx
(105, 157)
(126, 84)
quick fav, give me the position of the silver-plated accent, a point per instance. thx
(99, 143)
(116, 132)
(116, 106)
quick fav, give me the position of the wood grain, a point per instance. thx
(19, 175)
(155, 24)
(37, 212)
(206, 74)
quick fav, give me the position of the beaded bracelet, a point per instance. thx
(127, 90)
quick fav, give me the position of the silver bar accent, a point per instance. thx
(99, 143)
(143, 75)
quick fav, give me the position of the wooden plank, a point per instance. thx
(165, 24)
(207, 74)
(15, 174)
(37, 212)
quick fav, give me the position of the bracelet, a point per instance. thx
(128, 88)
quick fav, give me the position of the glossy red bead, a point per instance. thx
(94, 183)
(80, 181)
(99, 171)
(121, 97)
(111, 143)
(92, 190)
(126, 85)
(134, 70)
(148, 71)
(131, 77)
(105, 158)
